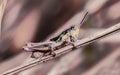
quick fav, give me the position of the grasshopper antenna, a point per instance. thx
(84, 18)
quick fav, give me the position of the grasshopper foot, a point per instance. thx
(53, 53)
(74, 46)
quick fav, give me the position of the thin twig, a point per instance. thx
(64, 50)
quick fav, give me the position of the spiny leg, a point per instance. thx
(72, 42)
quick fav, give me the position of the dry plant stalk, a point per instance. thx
(2, 8)
(65, 50)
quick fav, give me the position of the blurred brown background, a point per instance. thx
(38, 20)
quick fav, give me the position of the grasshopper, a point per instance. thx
(69, 36)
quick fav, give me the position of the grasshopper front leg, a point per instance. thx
(73, 44)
